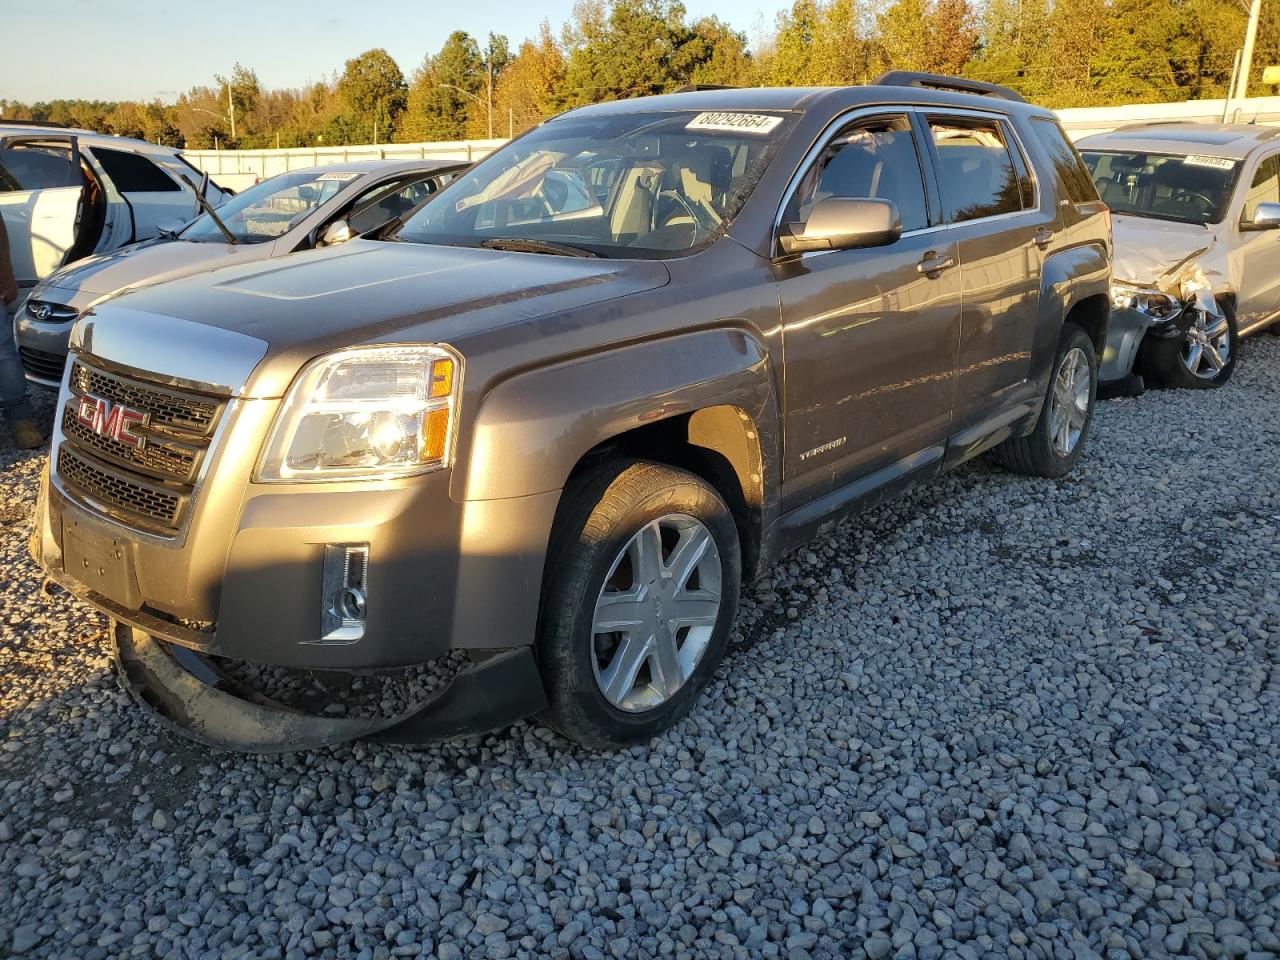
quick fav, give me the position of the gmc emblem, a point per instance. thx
(111, 420)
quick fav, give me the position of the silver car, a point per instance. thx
(1197, 264)
(298, 210)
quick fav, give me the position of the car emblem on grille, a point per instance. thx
(41, 311)
(115, 421)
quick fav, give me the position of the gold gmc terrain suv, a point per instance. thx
(540, 429)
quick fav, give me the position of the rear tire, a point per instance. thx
(1057, 442)
(654, 552)
(1195, 361)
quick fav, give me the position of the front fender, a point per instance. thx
(532, 429)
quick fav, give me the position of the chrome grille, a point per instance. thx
(169, 409)
(118, 494)
(149, 485)
(161, 459)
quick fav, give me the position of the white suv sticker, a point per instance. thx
(1221, 163)
(736, 122)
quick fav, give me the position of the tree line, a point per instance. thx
(1062, 53)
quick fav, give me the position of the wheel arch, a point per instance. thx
(1092, 314)
(720, 444)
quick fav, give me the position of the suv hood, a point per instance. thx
(369, 291)
(146, 263)
(1146, 248)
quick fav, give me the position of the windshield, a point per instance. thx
(647, 185)
(269, 209)
(1187, 188)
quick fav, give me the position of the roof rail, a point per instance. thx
(695, 87)
(32, 123)
(936, 81)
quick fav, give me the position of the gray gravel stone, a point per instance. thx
(997, 717)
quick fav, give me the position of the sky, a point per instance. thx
(141, 50)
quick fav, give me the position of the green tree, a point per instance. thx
(629, 48)
(525, 92)
(374, 90)
(819, 43)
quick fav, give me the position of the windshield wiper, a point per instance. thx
(208, 207)
(529, 245)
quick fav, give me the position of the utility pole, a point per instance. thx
(1246, 58)
(231, 109)
(488, 65)
(1231, 88)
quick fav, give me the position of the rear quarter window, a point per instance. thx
(132, 173)
(1071, 173)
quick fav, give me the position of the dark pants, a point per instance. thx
(13, 382)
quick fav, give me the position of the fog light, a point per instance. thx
(344, 595)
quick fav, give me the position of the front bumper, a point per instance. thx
(43, 344)
(1126, 330)
(191, 695)
(247, 580)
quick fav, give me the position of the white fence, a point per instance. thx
(238, 169)
(1082, 121)
(242, 168)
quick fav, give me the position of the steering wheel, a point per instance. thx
(1191, 198)
(701, 219)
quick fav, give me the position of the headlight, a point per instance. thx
(366, 413)
(1143, 299)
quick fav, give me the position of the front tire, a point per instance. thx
(640, 595)
(1053, 448)
(1201, 359)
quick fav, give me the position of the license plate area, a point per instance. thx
(102, 563)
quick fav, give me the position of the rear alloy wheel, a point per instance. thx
(1052, 448)
(1202, 358)
(640, 595)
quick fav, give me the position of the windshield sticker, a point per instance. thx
(340, 177)
(735, 122)
(1220, 163)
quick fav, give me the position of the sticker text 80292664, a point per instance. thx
(759, 123)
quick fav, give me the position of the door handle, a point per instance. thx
(934, 263)
(1043, 237)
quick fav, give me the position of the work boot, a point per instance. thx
(26, 435)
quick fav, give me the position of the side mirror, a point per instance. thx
(843, 223)
(335, 233)
(170, 228)
(1266, 216)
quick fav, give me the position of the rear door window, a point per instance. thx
(133, 173)
(873, 159)
(1070, 170)
(976, 174)
(37, 165)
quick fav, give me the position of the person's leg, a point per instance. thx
(14, 404)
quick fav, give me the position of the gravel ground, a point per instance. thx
(997, 717)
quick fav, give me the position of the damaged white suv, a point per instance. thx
(1194, 210)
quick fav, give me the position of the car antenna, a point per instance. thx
(208, 208)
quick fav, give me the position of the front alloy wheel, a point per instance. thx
(1202, 358)
(640, 593)
(656, 612)
(1206, 348)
